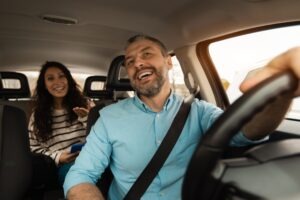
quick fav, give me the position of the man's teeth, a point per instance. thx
(144, 75)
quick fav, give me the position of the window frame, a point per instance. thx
(202, 51)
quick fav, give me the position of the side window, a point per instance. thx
(177, 78)
(33, 76)
(235, 57)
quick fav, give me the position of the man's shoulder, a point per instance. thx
(119, 105)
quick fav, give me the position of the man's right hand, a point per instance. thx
(84, 191)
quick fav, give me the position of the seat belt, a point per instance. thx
(151, 170)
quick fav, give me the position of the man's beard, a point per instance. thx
(152, 89)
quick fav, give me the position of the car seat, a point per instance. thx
(15, 160)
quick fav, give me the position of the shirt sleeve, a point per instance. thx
(92, 160)
(240, 140)
(209, 114)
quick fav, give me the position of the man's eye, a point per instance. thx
(147, 55)
(129, 63)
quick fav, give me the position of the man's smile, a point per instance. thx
(144, 74)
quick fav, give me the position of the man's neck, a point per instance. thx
(157, 102)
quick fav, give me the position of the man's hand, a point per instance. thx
(268, 120)
(290, 60)
(84, 191)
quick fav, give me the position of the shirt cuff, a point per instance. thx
(241, 140)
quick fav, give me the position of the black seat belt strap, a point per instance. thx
(151, 170)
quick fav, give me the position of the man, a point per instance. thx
(130, 131)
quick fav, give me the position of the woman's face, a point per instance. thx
(56, 82)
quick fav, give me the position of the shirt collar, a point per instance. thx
(141, 105)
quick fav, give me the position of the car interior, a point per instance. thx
(214, 45)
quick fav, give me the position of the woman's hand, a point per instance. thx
(67, 157)
(83, 112)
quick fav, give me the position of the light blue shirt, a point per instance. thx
(126, 137)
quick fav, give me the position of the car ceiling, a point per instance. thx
(103, 27)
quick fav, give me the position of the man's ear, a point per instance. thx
(169, 62)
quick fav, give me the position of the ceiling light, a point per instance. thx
(59, 19)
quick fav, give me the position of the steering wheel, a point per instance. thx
(236, 116)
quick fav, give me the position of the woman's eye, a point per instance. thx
(62, 76)
(49, 78)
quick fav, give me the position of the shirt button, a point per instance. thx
(158, 141)
(157, 115)
(161, 193)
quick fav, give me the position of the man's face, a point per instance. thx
(146, 66)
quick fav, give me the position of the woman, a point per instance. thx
(58, 120)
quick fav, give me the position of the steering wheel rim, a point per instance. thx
(217, 138)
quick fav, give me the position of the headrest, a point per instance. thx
(13, 85)
(95, 87)
(114, 81)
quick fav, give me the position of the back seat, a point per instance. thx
(115, 88)
(15, 160)
(14, 90)
(116, 81)
(111, 88)
(95, 88)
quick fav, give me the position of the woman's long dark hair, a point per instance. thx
(43, 105)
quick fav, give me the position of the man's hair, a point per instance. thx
(138, 37)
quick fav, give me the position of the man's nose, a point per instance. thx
(139, 62)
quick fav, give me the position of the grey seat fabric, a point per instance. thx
(25, 105)
(117, 80)
(15, 160)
